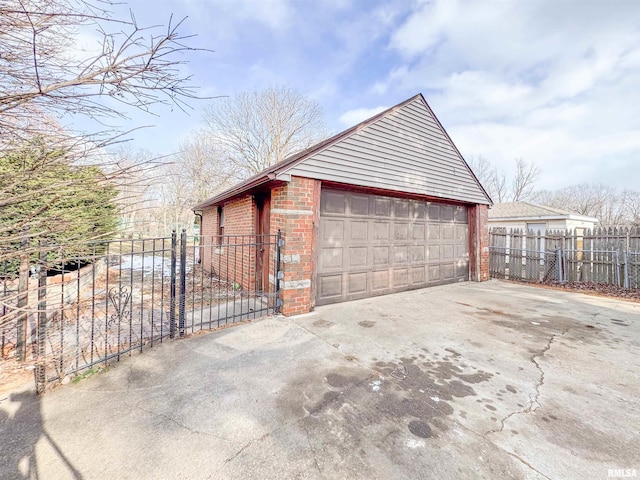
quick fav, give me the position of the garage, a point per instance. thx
(386, 205)
(374, 245)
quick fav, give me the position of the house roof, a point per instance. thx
(280, 169)
(526, 211)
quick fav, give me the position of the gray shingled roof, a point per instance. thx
(526, 209)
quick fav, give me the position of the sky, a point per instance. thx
(554, 82)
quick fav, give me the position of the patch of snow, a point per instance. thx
(435, 399)
(535, 323)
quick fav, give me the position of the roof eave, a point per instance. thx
(234, 192)
(543, 217)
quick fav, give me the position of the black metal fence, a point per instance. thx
(62, 312)
(601, 256)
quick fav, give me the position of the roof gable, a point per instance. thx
(406, 149)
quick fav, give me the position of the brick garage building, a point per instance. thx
(385, 206)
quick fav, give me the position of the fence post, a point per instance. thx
(23, 294)
(279, 245)
(40, 371)
(183, 280)
(561, 277)
(172, 287)
(625, 260)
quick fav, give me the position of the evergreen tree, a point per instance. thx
(46, 199)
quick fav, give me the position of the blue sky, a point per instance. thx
(556, 82)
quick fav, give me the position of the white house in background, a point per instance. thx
(525, 215)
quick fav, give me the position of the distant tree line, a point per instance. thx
(612, 207)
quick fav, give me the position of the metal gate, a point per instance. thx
(64, 309)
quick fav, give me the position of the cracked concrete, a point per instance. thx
(489, 380)
(535, 400)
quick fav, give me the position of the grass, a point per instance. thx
(89, 373)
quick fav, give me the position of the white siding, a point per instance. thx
(405, 151)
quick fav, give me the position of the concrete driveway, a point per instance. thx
(490, 380)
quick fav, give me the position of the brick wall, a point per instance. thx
(235, 259)
(294, 210)
(479, 243)
(483, 226)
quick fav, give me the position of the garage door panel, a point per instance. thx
(461, 233)
(461, 269)
(359, 205)
(433, 253)
(447, 213)
(330, 286)
(419, 276)
(400, 254)
(401, 208)
(381, 231)
(418, 232)
(417, 254)
(357, 257)
(400, 278)
(332, 230)
(448, 271)
(380, 255)
(448, 232)
(382, 207)
(400, 231)
(462, 251)
(448, 251)
(380, 281)
(331, 258)
(434, 273)
(358, 231)
(461, 215)
(419, 210)
(333, 202)
(356, 283)
(373, 245)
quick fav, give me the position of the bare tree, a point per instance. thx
(524, 180)
(482, 168)
(257, 129)
(45, 79)
(42, 71)
(609, 206)
(499, 186)
(197, 172)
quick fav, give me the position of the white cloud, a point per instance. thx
(353, 117)
(276, 14)
(551, 82)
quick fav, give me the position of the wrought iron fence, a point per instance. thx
(227, 279)
(116, 297)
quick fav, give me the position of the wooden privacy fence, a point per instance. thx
(603, 255)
